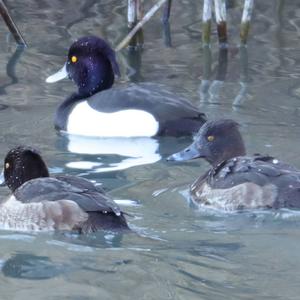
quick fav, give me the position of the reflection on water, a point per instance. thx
(242, 95)
(11, 72)
(175, 251)
(28, 266)
(98, 155)
(135, 151)
(210, 90)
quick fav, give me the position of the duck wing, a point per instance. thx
(261, 170)
(166, 107)
(88, 197)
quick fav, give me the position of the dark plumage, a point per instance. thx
(236, 181)
(92, 65)
(27, 176)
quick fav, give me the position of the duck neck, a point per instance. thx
(93, 75)
(233, 147)
(94, 84)
(64, 109)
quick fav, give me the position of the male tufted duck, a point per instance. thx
(236, 181)
(41, 202)
(134, 110)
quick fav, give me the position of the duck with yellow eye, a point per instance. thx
(63, 202)
(236, 181)
(74, 59)
(98, 109)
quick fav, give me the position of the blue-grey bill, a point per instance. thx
(188, 153)
(59, 75)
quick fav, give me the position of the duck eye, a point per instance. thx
(6, 165)
(210, 138)
(74, 59)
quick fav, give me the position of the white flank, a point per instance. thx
(84, 120)
(247, 195)
(39, 216)
(15, 215)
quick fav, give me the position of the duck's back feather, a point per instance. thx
(175, 115)
(91, 199)
(259, 170)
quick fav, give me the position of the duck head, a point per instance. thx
(22, 164)
(216, 142)
(91, 64)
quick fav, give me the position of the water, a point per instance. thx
(175, 251)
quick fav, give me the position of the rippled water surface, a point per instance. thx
(175, 251)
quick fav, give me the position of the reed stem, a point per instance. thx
(11, 25)
(246, 19)
(167, 12)
(140, 24)
(206, 22)
(139, 10)
(220, 10)
(131, 13)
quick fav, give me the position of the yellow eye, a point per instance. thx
(210, 138)
(7, 165)
(74, 59)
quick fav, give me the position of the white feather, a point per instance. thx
(84, 120)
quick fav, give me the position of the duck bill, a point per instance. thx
(2, 180)
(61, 74)
(188, 153)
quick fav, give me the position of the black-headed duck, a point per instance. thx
(41, 202)
(236, 181)
(132, 110)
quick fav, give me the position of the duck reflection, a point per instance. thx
(100, 155)
(124, 152)
(31, 267)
